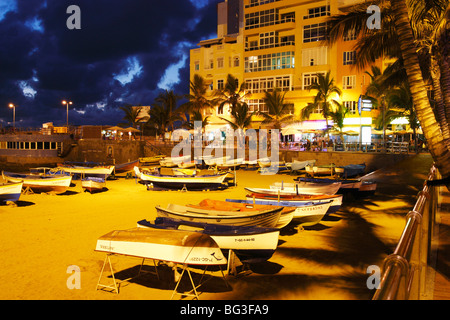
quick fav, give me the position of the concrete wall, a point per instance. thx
(108, 151)
(111, 151)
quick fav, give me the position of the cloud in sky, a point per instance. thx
(125, 52)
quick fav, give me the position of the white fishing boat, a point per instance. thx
(93, 184)
(222, 212)
(180, 181)
(183, 247)
(10, 191)
(299, 165)
(251, 244)
(299, 200)
(266, 163)
(40, 183)
(87, 171)
(306, 214)
(303, 187)
(170, 162)
(226, 164)
(347, 185)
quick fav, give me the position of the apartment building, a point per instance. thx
(280, 44)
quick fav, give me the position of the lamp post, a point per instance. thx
(14, 115)
(67, 107)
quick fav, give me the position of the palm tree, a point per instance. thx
(241, 119)
(168, 101)
(325, 97)
(278, 111)
(196, 116)
(232, 94)
(400, 37)
(436, 144)
(400, 104)
(198, 96)
(338, 117)
(131, 115)
(164, 113)
(241, 116)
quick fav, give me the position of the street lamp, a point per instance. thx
(14, 115)
(67, 107)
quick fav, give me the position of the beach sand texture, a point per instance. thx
(44, 235)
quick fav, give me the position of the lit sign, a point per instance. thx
(364, 104)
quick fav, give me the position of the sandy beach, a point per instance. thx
(46, 234)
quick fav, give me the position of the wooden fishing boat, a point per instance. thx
(347, 185)
(147, 161)
(222, 212)
(320, 170)
(170, 162)
(10, 191)
(352, 170)
(93, 184)
(306, 214)
(184, 247)
(87, 171)
(302, 187)
(226, 164)
(190, 182)
(251, 244)
(367, 187)
(295, 200)
(40, 183)
(267, 163)
(297, 165)
(127, 166)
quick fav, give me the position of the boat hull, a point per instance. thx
(93, 184)
(261, 218)
(299, 165)
(251, 244)
(306, 214)
(96, 171)
(182, 247)
(306, 187)
(40, 183)
(194, 182)
(125, 167)
(350, 185)
(10, 192)
(300, 200)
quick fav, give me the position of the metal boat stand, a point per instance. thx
(114, 285)
(195, 294)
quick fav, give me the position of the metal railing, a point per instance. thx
(405, 270)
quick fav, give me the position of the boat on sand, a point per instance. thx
(222, 212)
(251, 244)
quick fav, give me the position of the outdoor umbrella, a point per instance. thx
(351, 133)
(131, 129)
(115, 128)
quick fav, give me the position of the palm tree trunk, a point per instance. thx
(445, 86)
(431, 129)
(440, 103)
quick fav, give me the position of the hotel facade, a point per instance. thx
(281, 44)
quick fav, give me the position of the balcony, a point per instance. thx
(272, 45)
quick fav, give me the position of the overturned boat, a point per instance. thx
(251, 244)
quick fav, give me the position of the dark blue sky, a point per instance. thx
(126, 52)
